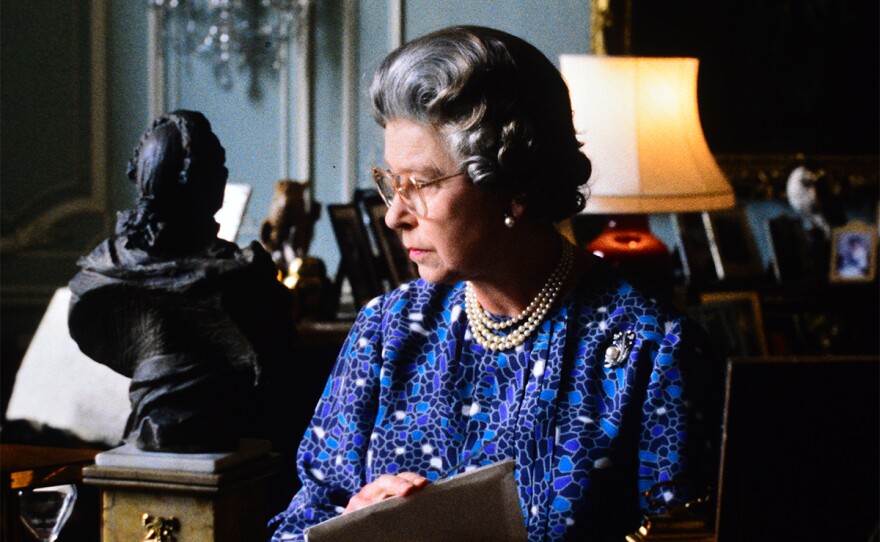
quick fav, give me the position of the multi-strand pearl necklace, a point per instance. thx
(483, 327)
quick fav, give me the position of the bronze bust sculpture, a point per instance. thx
(192, 319)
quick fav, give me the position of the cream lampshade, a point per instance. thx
(641, 129)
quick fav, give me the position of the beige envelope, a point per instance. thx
(481, 505)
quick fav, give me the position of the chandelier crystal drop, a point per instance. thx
(484, 328)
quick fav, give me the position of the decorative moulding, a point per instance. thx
(33, 232)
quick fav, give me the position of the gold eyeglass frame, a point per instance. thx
(384, 177)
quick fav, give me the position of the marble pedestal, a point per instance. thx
(194, 497)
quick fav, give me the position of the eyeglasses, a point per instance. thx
(407, 187)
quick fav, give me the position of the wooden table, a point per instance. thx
(23, 467)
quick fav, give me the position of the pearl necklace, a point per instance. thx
(483, 327)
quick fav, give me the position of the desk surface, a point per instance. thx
(25, 466)
(323, 334)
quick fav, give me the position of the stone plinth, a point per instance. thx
(200, 497)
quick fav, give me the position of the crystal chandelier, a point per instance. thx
(244, 35)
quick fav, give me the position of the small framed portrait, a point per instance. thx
(877, 220)
(400, 267)
(853, 253)
(732, 245)
(231, 214)
(790, 258)
(393, 254)
(693, 249)
(357, 261)
(734, 320)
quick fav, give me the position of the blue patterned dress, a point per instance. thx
(412, 391)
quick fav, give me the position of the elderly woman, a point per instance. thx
(513, 343)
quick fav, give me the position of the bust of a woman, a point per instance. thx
(192, 319)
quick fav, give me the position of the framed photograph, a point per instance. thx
(394, 260)
(789, 250)
(734, 320)
(853, 253)
(877, 219)
(732, 245)
(401, 269)
(231, 214)
(693, 249)
(357, 262)
(362, 198)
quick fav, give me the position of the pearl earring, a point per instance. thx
(509, 220)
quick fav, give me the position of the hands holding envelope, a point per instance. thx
(387, 485)
(481, 505)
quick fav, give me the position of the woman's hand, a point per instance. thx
(387, 485)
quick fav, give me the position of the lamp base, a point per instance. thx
(628, 245)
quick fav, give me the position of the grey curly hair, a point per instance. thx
(502, 107)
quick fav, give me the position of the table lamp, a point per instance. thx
(641, 129)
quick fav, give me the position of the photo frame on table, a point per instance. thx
(853, 253)
(693, 249)
(877, 220)
(231, 214)
(394, 258)
(357, 261)
(734, 320)
(360, 200)
(790, 259)
(732, 245)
